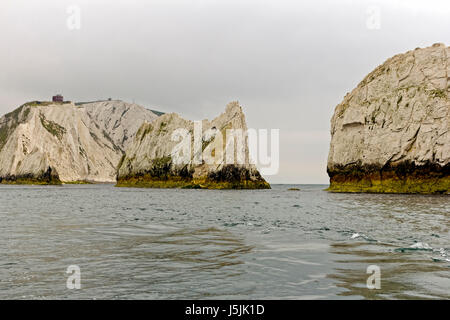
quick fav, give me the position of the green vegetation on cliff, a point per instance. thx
(52, 127)
(12, 120)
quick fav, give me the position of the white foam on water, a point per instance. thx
(421, 245)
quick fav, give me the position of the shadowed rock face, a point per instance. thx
(392, 132)
(150, 160)
(51, 143)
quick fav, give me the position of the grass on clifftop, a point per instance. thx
(44, 103)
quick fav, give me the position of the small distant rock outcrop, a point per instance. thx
(60, 142)
(172, 152)
(392, 132)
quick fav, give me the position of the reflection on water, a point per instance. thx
(201, 244)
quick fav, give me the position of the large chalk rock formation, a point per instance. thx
(173, 152)
(47, 142)
(392, 132)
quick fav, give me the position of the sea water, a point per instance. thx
(221, 244)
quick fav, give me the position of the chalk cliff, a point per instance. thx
(392, 132)
(173, 152)
(53, 142)
(120, 120)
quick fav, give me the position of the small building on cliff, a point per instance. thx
(58, 98)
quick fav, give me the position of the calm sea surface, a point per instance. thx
(210, 244)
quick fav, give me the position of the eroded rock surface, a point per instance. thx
(50, 143)
(155, 158)
(392, 133)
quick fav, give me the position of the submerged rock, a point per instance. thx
(53, 143)
(172, 152)
(392, 132)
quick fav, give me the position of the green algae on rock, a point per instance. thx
(405, 177)
(47, 177)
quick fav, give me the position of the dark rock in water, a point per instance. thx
(48, 177)
(404, 177)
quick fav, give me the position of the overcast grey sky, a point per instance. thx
(289, 63)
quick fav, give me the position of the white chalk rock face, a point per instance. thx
(120, 120)
(392, 133)
(44, 142)
(174, 152)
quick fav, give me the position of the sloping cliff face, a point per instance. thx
(120, 120)
(173, 152)
(392, 132)
(50, 143)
